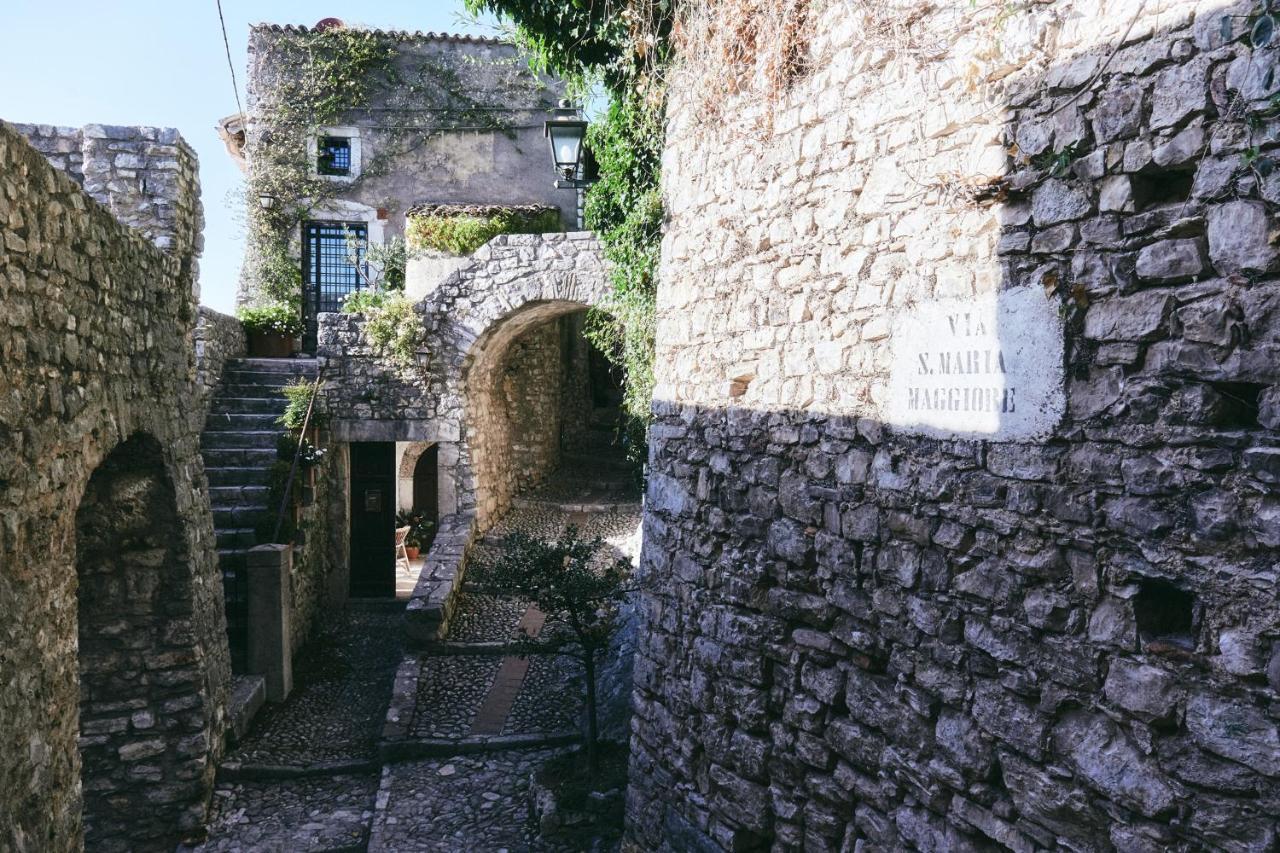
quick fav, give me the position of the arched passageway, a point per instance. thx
(143, 739)
(529, 394)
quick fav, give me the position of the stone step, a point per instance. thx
(231, 538)
(237, 476)
(267, 390)
(249, 405)
(233, 558)
(240, 423)
(239, 457)
(225, 496)
(238, 517)
(273, 365)
(240, 439)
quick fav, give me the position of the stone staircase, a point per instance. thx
(239, 446)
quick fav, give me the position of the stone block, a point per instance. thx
(270, 652)
(1171, 260)
(1134, 318)
(1144, 690)
(1240, 237)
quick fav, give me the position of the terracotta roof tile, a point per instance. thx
(402, 35)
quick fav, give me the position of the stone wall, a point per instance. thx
(146, 176)
(511, 285)
(98, 359)
(1026, 602)
(218, 337)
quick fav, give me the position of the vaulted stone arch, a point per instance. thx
(493, 319)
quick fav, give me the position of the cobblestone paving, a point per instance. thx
(450, 691)
(482, 618)
(325, 813)
(342, 684)
(463, 803)
(551, 699)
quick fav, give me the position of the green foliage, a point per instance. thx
(462, 234)
(625, 45)
(392, 326)
(625, 209)
(280, 274)
(298, 393)
(278, 317)
(421, 529)
(568, 581)
(569, 40)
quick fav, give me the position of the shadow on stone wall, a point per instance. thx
(1058, 629)
(98, 349)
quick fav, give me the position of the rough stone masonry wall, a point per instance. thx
(97, 350)
(509, 286)
(860, 633)
(146, 176)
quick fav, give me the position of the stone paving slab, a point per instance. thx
(551, 698)
(308, 815)
(459, 804)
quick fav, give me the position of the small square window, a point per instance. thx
(333, 155)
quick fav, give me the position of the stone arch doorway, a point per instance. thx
(142, 726)
(418, 479)
(521, 390)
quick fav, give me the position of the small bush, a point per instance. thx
(463, 233)
(298, 393)
(278, 317)
(392, 327)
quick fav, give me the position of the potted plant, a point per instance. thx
(272, 329)
(412, 547)
(412, 542)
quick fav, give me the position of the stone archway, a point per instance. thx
(514, 287)
(142, 729)
(514, 403)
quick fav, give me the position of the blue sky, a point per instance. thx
(162, 63)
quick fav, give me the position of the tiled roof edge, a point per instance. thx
(402, 35)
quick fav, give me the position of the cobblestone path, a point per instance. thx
(313, 775)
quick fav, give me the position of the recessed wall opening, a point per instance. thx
(141, 718)
(1240, 404)
(1165, 614)
(1154, 189)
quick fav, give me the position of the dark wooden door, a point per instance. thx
(373, 519)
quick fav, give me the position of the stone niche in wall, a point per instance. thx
(987, 366)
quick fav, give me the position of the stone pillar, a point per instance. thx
(269, 656)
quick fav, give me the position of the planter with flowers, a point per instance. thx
(272, 329)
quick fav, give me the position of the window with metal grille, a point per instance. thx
(326, 263)
(333, 155)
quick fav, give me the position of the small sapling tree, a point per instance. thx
(567, 582)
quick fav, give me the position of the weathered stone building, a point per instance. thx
(114, 660)
(962, 519)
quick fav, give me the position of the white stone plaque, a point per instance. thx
(986, 367)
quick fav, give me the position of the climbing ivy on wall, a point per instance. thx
(623, 48)
(322, 77)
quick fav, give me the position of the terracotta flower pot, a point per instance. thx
(411, 552)
(270, 345)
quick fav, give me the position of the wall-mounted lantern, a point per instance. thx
(267, 201)
(566, 131)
